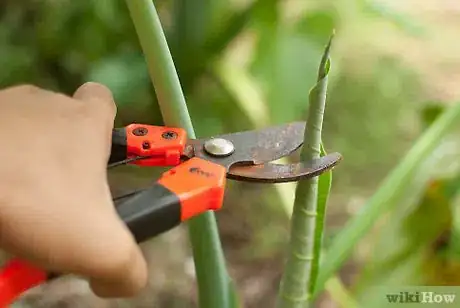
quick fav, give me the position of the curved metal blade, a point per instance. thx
(278, 173)
(256, 146)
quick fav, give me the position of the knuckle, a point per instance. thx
(26, 88)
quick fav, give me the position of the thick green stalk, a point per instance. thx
(296, 278)
(212, 276)
(393, 187)
(160, 64)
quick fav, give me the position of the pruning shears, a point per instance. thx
(194, 185)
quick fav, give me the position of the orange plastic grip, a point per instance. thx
(199, 185)
(165, 145)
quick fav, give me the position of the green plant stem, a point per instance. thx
(160, 64)
(324, 187)
(296, 278)
(391, 189)
(211, 272)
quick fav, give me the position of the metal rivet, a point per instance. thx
(219, 147)
(140, 131)
(169, 135)
(145, 145)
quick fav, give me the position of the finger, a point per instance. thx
(101, 106)
(131, 281)
(102, 97)
(107, 254)
(122, 272)
(111, 258)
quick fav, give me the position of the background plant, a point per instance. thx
(246, 64)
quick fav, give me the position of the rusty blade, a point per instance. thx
(254, 147)
(278, 173)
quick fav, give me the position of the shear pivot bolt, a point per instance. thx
(169, 135)
(219, 147)
(140, 131)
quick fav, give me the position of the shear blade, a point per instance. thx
(254, 147)
(279, 173)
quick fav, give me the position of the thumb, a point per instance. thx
(99, 107)
(124, 274)
(101, 98)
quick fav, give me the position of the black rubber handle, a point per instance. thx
(119, 146)
(150, 212)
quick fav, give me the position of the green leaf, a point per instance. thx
(318, 25)
(212, 39)
(431, 112)
(191, 22)
(284, 66)
(283, 62)
(218, 40)
(411, 233)
(234, 300)
(394, 185)
(402, 21)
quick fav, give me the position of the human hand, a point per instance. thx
(56, 209)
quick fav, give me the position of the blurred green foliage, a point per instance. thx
(250, 63)
(416, 243)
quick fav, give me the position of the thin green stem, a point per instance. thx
(324, 187)
(212, 276)
(296, 278)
